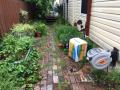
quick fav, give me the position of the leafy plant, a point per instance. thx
(65, 33)
(99, 75)
(42, 7)
(91, 44)
(19, 67)
(41, 28)
(23, 29)
(7, 80)
(113, 77)
(12, 46)
(15, 74)
(109, 80)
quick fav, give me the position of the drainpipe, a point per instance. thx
(89, 7)
(67, 9)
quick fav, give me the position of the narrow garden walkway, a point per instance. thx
(58, 71)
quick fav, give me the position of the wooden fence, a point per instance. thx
(9, 14)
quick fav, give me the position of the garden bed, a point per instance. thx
(20, 58)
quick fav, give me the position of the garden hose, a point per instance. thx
(99, 58)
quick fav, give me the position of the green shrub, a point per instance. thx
(109, 79)
(65, 33)
(7, 80)
(14, 74)
(19, 65)
(91, 44)
(113, 77)
(99, 75)
(15, 46)
(42, 7)
(41, 28)
(23, 29)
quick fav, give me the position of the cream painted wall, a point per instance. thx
(74, 12)
(105, 23)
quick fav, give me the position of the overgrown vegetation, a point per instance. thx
(41, 28)
(64, 33)
(107, 79)
(43, 7)
(23, 29)
(91, 44)
(19, 59)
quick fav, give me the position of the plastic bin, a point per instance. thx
(77, 49)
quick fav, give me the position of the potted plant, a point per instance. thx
(60, 45)
(40, 29)
(37, 34)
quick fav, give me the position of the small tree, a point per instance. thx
(42, 7)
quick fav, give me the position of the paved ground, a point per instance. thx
(58, 72)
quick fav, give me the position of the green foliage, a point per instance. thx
(113, 77)
(83, 62)
(15, 46)
(65, 33)
(91, 44)
(61, 21)
(42, 7)
(41, 27)
(63, 64)
(19, 65)
(99, 75)
(63, 85)
(23, 29)
(65, 50)
(15, 74)
(7, 80)
(109, 79)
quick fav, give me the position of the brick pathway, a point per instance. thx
(49, 72)
(53, 72)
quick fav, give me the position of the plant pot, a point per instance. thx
(37, 34)
(50, 19)
(60, 45)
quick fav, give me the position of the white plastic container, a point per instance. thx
(77, 49)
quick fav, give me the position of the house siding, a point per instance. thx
(105, 23)
(74, 12)
(71, 11)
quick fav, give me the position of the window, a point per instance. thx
(84, 7)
